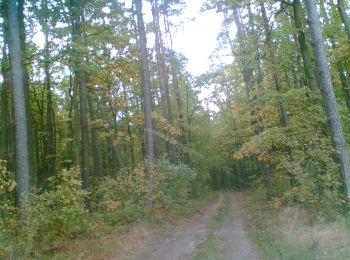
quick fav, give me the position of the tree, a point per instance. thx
(145, 81)
(163, 76)
(20, 109)
(76, 21)
(344, 16)
(330, 103)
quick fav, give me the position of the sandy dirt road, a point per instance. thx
(185, 239)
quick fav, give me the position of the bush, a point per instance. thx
(60, 211)
(125, 196)
(176, 182)
(51, 217)
(8, 215)
(130, 195)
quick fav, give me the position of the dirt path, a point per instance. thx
(185, 237)
(183, 241)
(233, 235)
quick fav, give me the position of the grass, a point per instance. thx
(211, 247)
(127, 241)
(295, 233)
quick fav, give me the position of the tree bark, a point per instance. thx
(344, 17)
(81, 77)
(22, 37)
(163, 73)
(20, 108)
(5, 88)
(339, 66)
(96, 149)
(329, 98)
(308, 67)
(50, 148)
(146, 82)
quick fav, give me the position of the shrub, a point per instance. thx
(51, 217)
(8, 216)
(125, 196)
(176, 183)
(130, 195)
(60, 211)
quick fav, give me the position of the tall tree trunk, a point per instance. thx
(339, 66)
(22, 37)
(175, 84)
(163, 72)
(20, 108)
(70, 144)
(76, 14)
(50, 148)
(325, 80)
(308, 67)
(4, 93)
(128, 128)
(345, 84)
(96, 149)
(247, 70)
(146, 82)
(344, 16)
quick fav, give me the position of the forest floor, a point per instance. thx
(224, 225)
(209, 228)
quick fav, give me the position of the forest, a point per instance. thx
(102, 125)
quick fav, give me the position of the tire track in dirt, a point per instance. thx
(235, 243)
(185, 238)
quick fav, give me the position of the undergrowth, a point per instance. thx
(59, 213)
(297, 233)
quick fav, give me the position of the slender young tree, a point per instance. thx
(329, 98)
(272, 58)
(50, 148)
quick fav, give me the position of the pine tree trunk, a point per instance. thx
(146, 82)
(31, 148)
(96, 149)
(4, 96)
(329, 98)
(81, 78)
(20, 108)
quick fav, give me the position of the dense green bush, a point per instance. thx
(130, 195)
(60, 211)
(124, 196)
(176, 182)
